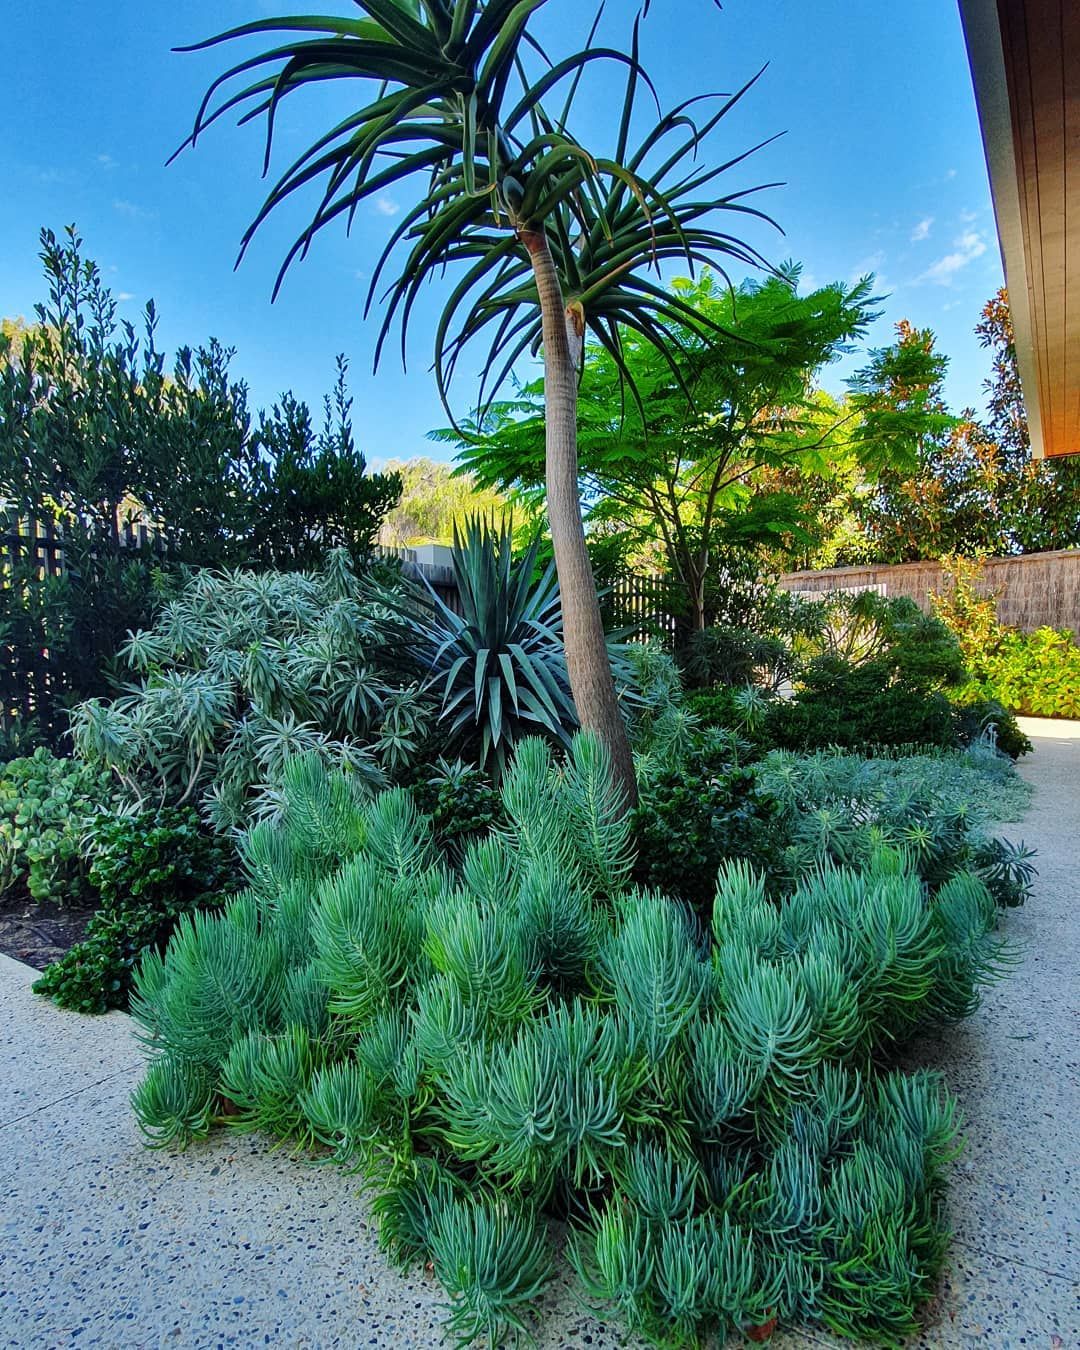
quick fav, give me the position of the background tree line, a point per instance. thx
(731, 461)
(736, 462)
(97, 431)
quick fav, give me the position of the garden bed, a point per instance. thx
(38, 933)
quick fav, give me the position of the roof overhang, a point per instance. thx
(1025, 64)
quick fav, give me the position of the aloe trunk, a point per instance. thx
(587, 663)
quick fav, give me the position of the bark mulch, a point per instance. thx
(38, 934)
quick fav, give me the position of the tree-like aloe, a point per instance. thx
(546, 239)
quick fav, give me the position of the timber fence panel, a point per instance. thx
(1033, 590)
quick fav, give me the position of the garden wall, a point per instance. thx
(1033, 590)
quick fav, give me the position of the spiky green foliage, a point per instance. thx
(497, 669)
(937, 809)
(458, 101)
(520, 1035)
(243, 671)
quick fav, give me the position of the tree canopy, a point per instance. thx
(684, 468)
(433, 500)
(97, 430)
(974, 488)
(545, 239)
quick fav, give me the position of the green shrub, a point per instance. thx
(936, 810)
(842, 704)
(461, 802)
(694, 815)
(243, 670)
(525, 1035)
(985, 718)
(735, 656)
(1034, 673)
(915, 649)
(147, 870)
(743, 710)
(46, 806)
(869, 671)
(1037, 674)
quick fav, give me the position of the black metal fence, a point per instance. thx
(36, 676)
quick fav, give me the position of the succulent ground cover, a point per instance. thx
(523, 1036)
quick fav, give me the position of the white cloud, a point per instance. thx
(950, 173)
(48, 177)
(131, 209)
(386, 206)
(922, 230)
(121, 296)
(871, 263)
(107, 162)
(967, 247)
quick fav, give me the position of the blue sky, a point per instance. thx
(881, 161)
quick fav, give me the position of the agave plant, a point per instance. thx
(545, 238)
(498, 667)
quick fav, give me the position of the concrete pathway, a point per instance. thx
(104, 1243)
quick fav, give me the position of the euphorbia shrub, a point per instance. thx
(525, 1034)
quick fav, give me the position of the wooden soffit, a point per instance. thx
(1025, 64)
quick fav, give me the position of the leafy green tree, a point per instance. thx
(547, 239)
(434, 499)
(974, 488)
(312, 493)
(689, 475)
(1040, 498)
(97, 433)
(94, 433)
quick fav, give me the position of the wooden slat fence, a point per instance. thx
(440, 579)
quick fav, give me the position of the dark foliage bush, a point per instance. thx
(742, 710)
(734, 656)
(976, 717)
(148, 869)
(916, 649)
(857, 706)
(715, 706)
(461, 801)
(692, 817)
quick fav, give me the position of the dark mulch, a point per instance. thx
(38, 934)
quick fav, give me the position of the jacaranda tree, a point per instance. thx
(544, 238)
